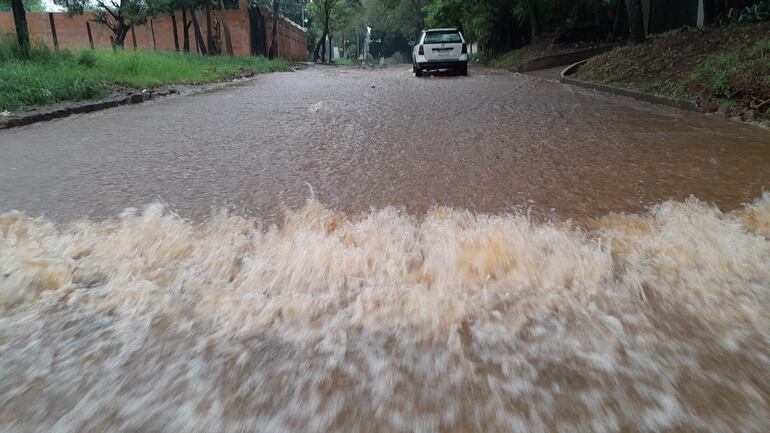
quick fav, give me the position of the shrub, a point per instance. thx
(755, 13)
(479, 57)
(87, 59)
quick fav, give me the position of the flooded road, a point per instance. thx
(374, 138)
(434, 283)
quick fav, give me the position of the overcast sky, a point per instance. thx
(50, 7)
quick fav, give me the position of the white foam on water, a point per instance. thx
(387, 322)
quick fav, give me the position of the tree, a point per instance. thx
(173, 6)
(185, 31)
(22, 31)
(119, 15)
(294, 10)
(197, 30)
(29, 5)
(406, 17)
(711, 11)
(224, 29)
(273, 52)
(620, 23)
(323, 12)
(534, 20)
(636, 21)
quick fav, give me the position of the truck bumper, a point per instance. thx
(444, 64)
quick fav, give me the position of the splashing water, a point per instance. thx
(387, 322)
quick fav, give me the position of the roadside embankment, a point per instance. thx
(544, 54)
(727, 70)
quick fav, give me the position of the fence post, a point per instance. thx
(90, 36)
(152, 30)
(53, 31)
(175, 31)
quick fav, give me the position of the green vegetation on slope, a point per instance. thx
(519, 57)
(51, 77)
(727, 69)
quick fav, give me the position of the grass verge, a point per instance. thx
(727, 69)
(51, 77)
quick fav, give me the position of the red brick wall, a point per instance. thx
(71, 32)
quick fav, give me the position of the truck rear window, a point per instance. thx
(448, 37)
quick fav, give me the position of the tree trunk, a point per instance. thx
(228, 40)
(534, 21)
(209, 36)
(711, 11)
(198, 35)
(186, 32)
(22, 31)
(120, 32)
(175, 31)
(620, 25)
(636, 21)
(225, 29)
(273, 53)
(317, 52)
(257, 30)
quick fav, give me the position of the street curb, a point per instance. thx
(684, 104)
(555, 60)
(82, 107)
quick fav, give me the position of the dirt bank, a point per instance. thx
(518, 59)
(726, 69)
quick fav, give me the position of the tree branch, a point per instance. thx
(104, 6)
(100, 19)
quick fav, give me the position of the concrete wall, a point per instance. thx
(72, 33)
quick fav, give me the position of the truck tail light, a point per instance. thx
(421, 50)
(465, 48)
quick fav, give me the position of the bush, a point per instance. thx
(87, 59)
(755, 13)
(479, 57)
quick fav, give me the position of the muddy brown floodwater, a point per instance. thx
(432, 281)
(373, 138)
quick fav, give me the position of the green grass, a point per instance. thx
(51, 77)
(344, 62)
(720, 71)
(504, 61)
(717, 72)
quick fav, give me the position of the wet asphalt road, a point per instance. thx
(372, 138)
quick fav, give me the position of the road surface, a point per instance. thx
(352, 315)
(373, 138)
